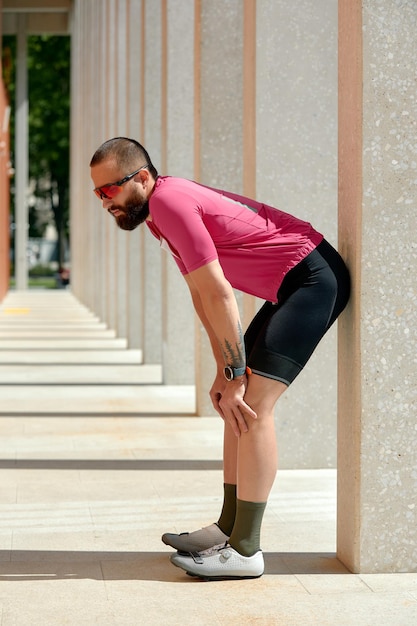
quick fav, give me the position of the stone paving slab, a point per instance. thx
(55, 324)
(57, 314)
(69, 357)
(102, 399)
(70, 333)
(67, 343)
(81, 374)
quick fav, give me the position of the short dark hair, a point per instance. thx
(128, 154)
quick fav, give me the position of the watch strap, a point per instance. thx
(231, 373)
(238, 371)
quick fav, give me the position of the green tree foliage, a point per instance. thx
(49, 121)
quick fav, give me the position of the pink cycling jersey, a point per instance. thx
(255, 244)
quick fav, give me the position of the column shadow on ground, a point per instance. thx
(30, 565)
(112, 464)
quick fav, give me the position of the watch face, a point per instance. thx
(228, 372)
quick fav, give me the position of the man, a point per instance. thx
(222, 241)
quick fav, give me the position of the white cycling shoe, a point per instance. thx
(196, 541)
(220, 563)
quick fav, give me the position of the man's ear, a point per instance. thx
(142, 177)
(148, 180)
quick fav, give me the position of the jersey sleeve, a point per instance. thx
(179, 219)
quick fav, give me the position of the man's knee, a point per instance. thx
(263, 393)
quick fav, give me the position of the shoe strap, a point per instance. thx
(197, 558)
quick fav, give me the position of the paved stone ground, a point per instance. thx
(98, 459)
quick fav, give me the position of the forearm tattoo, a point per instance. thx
(235, 355)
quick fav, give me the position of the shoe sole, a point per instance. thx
(207, 578)
(214, 578)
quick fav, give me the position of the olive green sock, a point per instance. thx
(246, 534)
(228, 514)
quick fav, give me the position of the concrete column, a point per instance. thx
(296, 126)
(221, 80)
(76, 240)
(88, 113)
(100, 135)
(21, 159)
(90, 217)
(134, 113)
(178, 119)
(110, 131)
(377, 459)
(88, 118)
(81, 203)
(93, 102)
(152, 66)
(121, 95)
(249, 303)
(219, 129)
(97, 99)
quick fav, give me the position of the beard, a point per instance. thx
(134, 212)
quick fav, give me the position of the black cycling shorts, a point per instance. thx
(282, 337)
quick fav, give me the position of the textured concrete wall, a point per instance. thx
(220, 129)
(178, 338)
(296, 156)
(389, 296)
(134, 128)
(152, 139)
(377, 525)
(120, 23)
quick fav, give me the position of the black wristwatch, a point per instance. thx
(230, 373)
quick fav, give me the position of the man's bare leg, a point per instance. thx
(228, 513)
(257, 459)
(256, 464)
(250, 462)
(230, 453)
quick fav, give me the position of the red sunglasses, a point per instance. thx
(111, 190)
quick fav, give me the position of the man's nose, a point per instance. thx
(107, 203)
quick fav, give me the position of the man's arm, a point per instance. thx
(215, 346)
(216, 306)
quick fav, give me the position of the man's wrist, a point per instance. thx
(232, 373)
